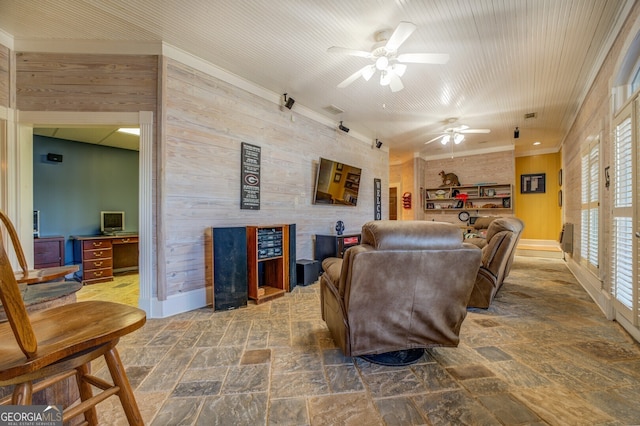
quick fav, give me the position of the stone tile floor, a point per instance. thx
(543, 354)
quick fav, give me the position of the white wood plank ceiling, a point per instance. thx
(507, 57)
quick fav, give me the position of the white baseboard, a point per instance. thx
(175, 304)
(593, 286)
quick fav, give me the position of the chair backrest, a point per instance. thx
(14, 306)
(15, 241)
(481, 225)
(407, 285)
(502, 238)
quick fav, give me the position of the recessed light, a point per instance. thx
(537, 143)
(130, 131)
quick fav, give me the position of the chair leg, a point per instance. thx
(22, 394)
(119, 376)
(91, 415)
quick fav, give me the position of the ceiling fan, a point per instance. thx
(386, 58)
(456, 134)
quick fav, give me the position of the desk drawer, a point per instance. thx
(97, 254)
(89, 265)
(96, 244)
(97, 274)
(124, 240)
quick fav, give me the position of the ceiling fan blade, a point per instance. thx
(475, 131)
(424, 58)
(395, 83)
(400, 34)
(433, 140)
(353, 77)
(399, 69)
(350, 52)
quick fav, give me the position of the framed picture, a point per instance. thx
(337, 177)
(459, 204)
(430, 206)
(533, 183)
(339, 166)
(506, 203)
(560, 178)
(560, 198)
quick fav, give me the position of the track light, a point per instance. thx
(343, 128)
(516, 133)
(288, 102)
(378, 143)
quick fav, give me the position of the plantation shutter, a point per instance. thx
(622, 215)
(590, 204)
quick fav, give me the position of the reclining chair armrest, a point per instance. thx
(486, 274)
(484, 289)
(333, 310)
(332, 267)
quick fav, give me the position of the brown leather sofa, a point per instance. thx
(406, 286)
(497, 257)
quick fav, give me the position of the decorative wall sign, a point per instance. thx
(377, 197)
(250, 185)
(533, 183)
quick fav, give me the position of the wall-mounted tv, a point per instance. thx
(336, 183)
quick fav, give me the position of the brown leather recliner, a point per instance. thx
(497, 257)
(405, 287)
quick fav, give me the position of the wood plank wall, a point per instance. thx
(81, 82)
(206, 122)
(5, 75)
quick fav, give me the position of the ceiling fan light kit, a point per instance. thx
(386, 58)
(455, 134)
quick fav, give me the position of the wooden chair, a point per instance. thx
(41, 349)
(32, 276)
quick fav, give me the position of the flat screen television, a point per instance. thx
(336, 183)
(111, 222)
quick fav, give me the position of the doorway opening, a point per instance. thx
(393, 203)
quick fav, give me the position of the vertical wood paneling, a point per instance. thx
(68, 82)
(5, 76)
(206, 122)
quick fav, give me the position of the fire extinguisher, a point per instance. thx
(406, 200)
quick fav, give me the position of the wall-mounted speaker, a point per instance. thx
(56, 158)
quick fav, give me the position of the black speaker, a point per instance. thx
(230, 287)
(293, 280)
(308, 271)
(289, 103)
(56, 158)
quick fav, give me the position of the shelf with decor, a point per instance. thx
(268, 260)
(469, 197)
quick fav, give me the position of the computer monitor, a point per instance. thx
(111, 221)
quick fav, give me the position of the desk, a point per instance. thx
(334, 245)
(102, 255)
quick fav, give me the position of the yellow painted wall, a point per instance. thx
(541, 213)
